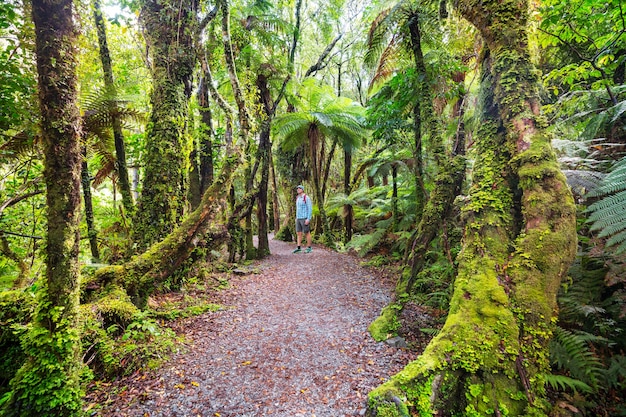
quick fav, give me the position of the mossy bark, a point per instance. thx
(168, 28)
(142, 274)
(263, 158)
(520, 238)
(48, 383)
(418, 111)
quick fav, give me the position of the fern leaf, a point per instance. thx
(570, 352)
(562, 382)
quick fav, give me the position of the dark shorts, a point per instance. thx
(301, 227)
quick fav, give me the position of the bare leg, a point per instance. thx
(308, 239)
(299, 238)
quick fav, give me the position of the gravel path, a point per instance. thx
(293, 343)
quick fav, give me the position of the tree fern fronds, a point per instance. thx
(616, 373)
(583, 182)
(613, 201)
(376, 38)
(608, 211)
(363, 244)
(608, 215)
(618, 240)
(19, 145)
(611, 184)
(106, 171)
(562, 382)
(570, 352)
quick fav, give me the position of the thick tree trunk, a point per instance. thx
(49, 382)
(520, 238)
(118, 136)
(169, 29)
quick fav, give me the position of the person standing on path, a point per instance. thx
(304, 209)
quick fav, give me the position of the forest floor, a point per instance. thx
(291, 340)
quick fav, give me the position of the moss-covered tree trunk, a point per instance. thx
(205, 225)
(263, 157)
(49, 383)
(519, 240)
(418, 112)
(168, 28)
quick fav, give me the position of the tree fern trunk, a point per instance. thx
(118, 136)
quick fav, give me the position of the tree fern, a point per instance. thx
(570, 353)
(608, 215)
(616, 374)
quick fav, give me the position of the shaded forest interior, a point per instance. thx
(473, 150)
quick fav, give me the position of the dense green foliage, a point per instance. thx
(341, 76)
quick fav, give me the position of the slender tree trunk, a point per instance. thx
(275, 202)
(168, 28)
(316, 153)
(265, 146)
(201, 174)
(92, 233)
(520, 238)
(348, 211)
(394, 198)
(49, 381)
(418, 170)
(193, 194)
(207, 166)
(347, 208)
(118, 136)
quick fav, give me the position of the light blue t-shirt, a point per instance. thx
(304, 207)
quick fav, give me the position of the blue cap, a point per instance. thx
(300, 187)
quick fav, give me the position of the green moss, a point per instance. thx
(115, 307)
(388, 401)
(386, 324)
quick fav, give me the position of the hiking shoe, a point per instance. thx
(308, 250)
(297, 250)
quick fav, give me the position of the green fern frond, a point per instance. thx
(583, 182)
(616, 374)
(603, 217)
(618, 240)
(19, 145)
(363, 244)
(570, 353)
(608, 215)
(562, 383)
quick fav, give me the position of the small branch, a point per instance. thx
(207, 19)
(320, 61)
(14, 200)
(4, 232)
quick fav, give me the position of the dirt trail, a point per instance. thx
(293, 343)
